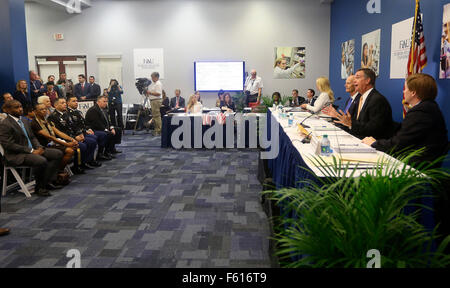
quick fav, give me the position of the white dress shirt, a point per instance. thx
(364, 98)
(155, 87)
(253, 85)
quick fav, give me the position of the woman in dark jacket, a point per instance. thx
(21, 93)
(423, 126)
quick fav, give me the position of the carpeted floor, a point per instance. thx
(150, 207)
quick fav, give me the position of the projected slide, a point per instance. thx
(215, 76)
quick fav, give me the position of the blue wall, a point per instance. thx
(350, 20)
(13, 44)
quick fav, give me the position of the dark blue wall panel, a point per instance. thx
(13, 44)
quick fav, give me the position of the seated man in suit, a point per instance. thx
(82, 89)
(97, 118)
(95, 89)
(373, 116)
(296, 99)
(177, 101)
(62, 121)
(423, 126)
(22, 148)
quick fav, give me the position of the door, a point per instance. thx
(56, 65)
(73, 69)
(109, 68)
(47, 68)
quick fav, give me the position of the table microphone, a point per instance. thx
(315, 113)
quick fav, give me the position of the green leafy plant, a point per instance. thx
(239, 101)
(340, 218)
(267, 101)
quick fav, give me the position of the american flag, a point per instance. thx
(417, 59)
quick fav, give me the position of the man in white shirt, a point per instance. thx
(154, 93)
(252, 88)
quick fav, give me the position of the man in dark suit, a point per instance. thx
(22, 148)
(350, 105)
(177, 101)
(423, 126)
(35, 87)
(95, 89)
(296, 99)
(97, 118)
(82, 89)
(373, 115)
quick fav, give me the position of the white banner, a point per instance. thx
(84, 106)
(147, 61)
(400, 47)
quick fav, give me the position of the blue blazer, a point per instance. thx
(78, 92)
(173, 102)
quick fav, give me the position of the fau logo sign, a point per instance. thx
(374, 7)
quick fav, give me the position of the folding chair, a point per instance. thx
(26, 188)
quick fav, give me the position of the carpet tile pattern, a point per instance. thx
(150, 207)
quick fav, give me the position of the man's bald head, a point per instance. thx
(349, 85)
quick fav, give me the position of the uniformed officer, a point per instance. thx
(101, 136)
(62, 121)
(79, 123)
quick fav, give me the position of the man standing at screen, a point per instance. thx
(252, 88)
(154, 93)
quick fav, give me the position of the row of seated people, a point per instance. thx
(195, 104)
(49, 140)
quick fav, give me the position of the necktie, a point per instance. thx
(178, 101)
(82, 88)
(106, 118)
(359, 107)
(25, 132)
(350, 102)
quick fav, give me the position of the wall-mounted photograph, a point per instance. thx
(289, 63)
(445, 45)
(348, 58)
(370, 51)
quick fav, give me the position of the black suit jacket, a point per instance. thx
(375, 118)
(24, 99)
(78, 92)
(97, 120)
(94, 91)
(423, 126)
(14, 141)
(173, 102)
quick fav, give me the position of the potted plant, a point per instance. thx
(339, 219)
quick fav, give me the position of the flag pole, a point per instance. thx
(413, 42)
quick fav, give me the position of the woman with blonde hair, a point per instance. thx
(193, 106)
(326, 96)
(21, 94)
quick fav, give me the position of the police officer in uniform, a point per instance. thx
(61, 119)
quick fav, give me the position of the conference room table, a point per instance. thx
(172, 121)
(295, 163)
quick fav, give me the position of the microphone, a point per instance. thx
(315, 113)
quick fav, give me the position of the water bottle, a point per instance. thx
(325, 149)
(291, 119)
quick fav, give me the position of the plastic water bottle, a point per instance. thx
(291, 119)
(325, 149)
